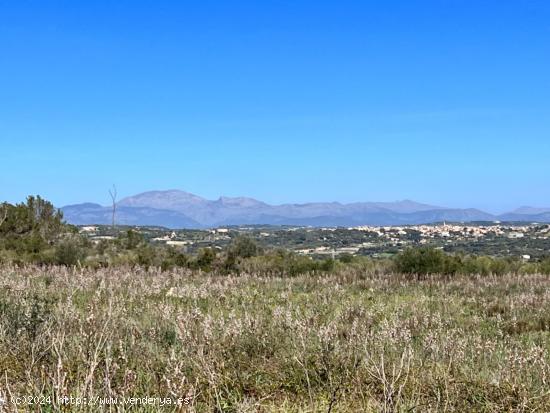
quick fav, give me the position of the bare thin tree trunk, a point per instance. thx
(113, 193)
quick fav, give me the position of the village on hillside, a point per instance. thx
(527, 241)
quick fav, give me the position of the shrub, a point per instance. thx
(421, 261)
(327, 265)
(69, 253)
(146, 256)
(205, 259)
(544, 266)
(346, 258)
(132, 239)
(243, 247)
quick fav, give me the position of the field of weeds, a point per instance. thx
(340, 343)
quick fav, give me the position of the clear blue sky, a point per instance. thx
(446, 102)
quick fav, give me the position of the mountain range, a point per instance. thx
(179, 209)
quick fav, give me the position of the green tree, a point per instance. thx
(132, 239)
(244, 247)
(420, 261)
(31, 227)
(69, 253)
(205, 259)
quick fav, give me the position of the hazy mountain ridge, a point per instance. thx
(179, 209)
(527, 210)
(89, 213)
(542, 217)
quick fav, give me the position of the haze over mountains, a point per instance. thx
(179, 209)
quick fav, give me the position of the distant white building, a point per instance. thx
(88, 229)
(178, 243)
(515, 235)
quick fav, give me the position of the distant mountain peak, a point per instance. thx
(84, 205)
(241, 201)
(172, 199)
(410, 202)
(179, 208)
(166, 194)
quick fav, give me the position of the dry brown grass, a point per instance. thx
(344, 342)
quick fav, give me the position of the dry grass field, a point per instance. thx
(346, 342)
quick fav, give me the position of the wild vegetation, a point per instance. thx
(250, 328)
(344, 341)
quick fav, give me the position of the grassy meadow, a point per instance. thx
(348, 341)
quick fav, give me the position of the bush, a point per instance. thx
(132, 239)
(346, 258)
(422, 261)
(544, 266)
(69, 253)
(205, 259)
(146, 256)
(327, 265)
(243, 247)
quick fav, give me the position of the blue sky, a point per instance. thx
(445, 102)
